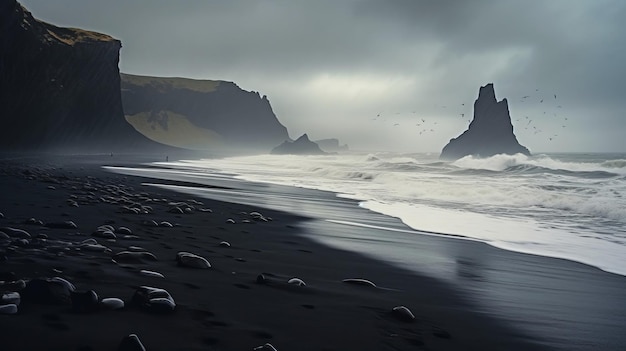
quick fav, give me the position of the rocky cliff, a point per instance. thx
(489, 133)
(301, 146)
(59, 88)
(201, 114)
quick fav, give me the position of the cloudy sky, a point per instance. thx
(329, 67)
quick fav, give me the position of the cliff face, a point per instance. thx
(59, 88)
(301, 146)
(200, 114)
(489, 133)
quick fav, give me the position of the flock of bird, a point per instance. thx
(530, 125)
(424, 125)
(551, 110)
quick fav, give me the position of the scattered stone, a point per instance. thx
(133, 257)
(1, 215)
(94, 248)
(296, 281)
(42, 236)
(359, 281)
(206, 210)
(165, 224)
(130, 237)
(131, 343)
(16, 233)
(54, 290)
(106, 227)
(183, 206)
(12, 285)
(10, 298)
(135, 248)
(176, 210)
(224, 244)
(188, 259)
(112, 303)
(62, 225)
(267, 346)
(20, 242)
(130, 210)
(105, 233)
(230, 220)
(8, 309)
(153, 299)
(90, 241)
(151, 273)
(403, 313)
(261, 279)
(85, 301)
(258, 217)
(31, 221)
(150, 223)
(123, 231)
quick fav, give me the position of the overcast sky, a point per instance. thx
(329, 67)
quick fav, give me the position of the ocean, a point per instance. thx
(570, 206)
(418, 213)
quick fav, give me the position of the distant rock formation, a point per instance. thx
(60, 88)
(489, 133)
(331, 145)
(302, 146)
(200, 114)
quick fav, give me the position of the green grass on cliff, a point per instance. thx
(203, 86)
(169, 128)
(51, 33)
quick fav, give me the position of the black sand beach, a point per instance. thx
(226, 307)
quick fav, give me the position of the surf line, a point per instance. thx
(420, 232)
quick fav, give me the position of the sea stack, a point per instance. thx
(302, 146)
(489, 133)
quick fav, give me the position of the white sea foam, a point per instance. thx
(567, 206)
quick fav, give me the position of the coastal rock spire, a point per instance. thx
(489, 133)
(302, 146)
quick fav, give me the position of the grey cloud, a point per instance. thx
(424, 54)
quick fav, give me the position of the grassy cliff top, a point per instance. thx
(52, 33)
(203, 86)
(72, 36)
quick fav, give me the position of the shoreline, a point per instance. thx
(222, 308)
(532, 230)
(544, 296)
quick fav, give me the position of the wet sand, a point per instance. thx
(224, 307)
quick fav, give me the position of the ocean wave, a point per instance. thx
(520, 163)
(614, 164)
